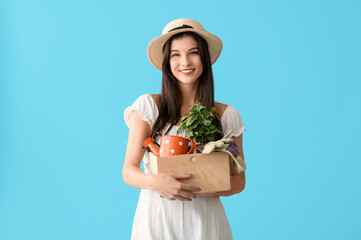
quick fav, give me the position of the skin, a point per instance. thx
(184, 55)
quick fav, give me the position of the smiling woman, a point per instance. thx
(185, 62)
(184, 53)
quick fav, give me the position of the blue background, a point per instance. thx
(68, 69)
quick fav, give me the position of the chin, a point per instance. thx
(187, 81)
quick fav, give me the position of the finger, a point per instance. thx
(190, 187)
(182, 198)
(170, 197)
(185, 194)
(181, 176)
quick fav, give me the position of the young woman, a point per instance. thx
(184, 53)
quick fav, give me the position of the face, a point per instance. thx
(185, 61)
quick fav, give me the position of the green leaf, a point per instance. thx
(190, 120)
(185, 116)
(217, 116)
(180, 131)
(183, 125)
(195, 124)
(190, 135)
(213, 127)
(203, 129)
(207, 122)
(199, 107)
(204, 113)
(210, 118)
(210, 137)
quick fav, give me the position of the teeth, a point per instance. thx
(186, 71)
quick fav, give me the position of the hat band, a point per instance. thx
(181, 27)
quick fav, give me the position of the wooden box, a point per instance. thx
(210, 172)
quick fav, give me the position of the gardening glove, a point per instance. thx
(228, 146)
(218, 145)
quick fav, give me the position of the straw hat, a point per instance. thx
(155, 47)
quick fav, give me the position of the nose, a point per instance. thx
(185, 61)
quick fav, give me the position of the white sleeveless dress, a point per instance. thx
(160, 219)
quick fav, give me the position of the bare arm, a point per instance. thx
(238, 180)
(165, 184)
(139, 130)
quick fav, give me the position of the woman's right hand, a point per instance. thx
(168, 186)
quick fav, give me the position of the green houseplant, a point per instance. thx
(199, 124)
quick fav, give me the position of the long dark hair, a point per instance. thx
(171, 97)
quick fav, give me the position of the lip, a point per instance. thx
(187, 69)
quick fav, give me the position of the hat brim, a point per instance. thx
(155, 47)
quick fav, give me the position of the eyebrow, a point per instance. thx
(175, 50)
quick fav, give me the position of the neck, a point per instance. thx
(189, 94)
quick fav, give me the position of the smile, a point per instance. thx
(187, 70)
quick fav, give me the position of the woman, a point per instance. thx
(184, 53)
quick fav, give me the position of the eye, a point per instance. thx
(174, 55)
(194, 52)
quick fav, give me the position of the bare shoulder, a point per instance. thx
(220, 107)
